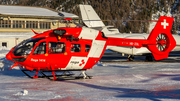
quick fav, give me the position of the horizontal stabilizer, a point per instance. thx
(160, 57)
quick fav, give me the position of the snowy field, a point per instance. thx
(115, 80)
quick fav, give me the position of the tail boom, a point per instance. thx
(160, 41)
(138, 43)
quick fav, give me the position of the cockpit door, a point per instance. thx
(58, 56)
(39, 57)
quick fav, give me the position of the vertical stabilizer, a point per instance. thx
(90, 17)
(161, 35)
(92, 20)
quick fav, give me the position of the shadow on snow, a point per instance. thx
(154, 95)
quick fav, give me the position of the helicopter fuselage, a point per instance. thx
(47, 52)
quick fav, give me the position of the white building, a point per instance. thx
(16, 22)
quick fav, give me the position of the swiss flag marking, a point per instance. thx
(164, 24)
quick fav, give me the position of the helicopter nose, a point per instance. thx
(8, 56)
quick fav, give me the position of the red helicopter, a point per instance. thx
(80, 48)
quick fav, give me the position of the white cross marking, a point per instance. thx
(164, 24)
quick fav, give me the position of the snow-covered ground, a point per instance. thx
(112, 81)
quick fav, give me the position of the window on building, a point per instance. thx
(28, 24)
(25, 24)
(22, 24)
(5, 23)
(4, 44)
(35, 24)
(18, 24)
(15, 24)
(32, 24)
(44, 25)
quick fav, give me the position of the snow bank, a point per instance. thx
(99, 64)
(4, 48)
(22, 93)
(4, 63)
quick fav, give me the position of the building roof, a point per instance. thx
(32, 11)
(16, 34)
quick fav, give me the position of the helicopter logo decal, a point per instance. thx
(82, 62)
(38, 60)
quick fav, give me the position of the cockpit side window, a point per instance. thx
(87, 48)
(40, 49)
(56, 47)
(25, 47)
(75, 47)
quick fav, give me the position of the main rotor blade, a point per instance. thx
(127, 20)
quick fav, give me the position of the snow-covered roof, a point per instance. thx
(32, 11)
(67, 15)
(16, 34)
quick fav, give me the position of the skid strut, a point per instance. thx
(25, 72)
(36, 74)
(42, 74)
(85, 76)
(53, 72)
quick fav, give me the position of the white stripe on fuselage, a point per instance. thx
(77, 62)
(96, 48)
(88, 33)
(95, 51)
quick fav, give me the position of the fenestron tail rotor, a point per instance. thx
(162, 42)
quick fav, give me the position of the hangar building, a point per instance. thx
(16, 22)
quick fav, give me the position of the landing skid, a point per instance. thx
(84, 75)
(72, 78)
(130, 58)
(62, 75)
(25, 72)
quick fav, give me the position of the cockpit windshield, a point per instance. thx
(25, 47)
